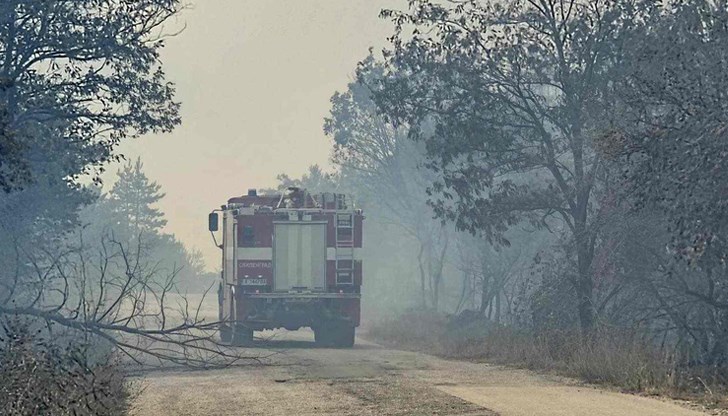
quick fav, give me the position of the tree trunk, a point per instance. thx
(436, 294)
(497, 307)
(422, 275)
(584, 285)
(586, 309)
(484, 296)
(464, 293)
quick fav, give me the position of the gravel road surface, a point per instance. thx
(373, 380)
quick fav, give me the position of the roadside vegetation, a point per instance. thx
(90, 284)
(42, 376)
(544, 183)
(619, 358)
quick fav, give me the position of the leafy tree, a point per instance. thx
(670, 141)
(76, 77)
(79, 76)
(315, 180)
(129, 214)
(512, 89)
(132, 201)
(188, 266)
(383, 166)
(674, 123)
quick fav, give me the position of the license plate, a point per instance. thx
(253, 282)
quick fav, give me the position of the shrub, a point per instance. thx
(419, 329)
(44, 377)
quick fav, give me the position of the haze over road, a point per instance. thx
(254, 79)
(373, 380)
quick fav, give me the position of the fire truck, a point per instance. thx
(289, 261)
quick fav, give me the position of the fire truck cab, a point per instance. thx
(289, 261)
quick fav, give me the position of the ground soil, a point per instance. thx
(300, 379)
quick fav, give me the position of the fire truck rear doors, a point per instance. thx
(299, 255)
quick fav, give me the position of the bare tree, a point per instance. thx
(114, 292)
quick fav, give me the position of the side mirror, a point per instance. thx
(212, 221)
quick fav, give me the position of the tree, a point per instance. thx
(672, 129)
(383, 166)
(83, 75)
(516, 93)
(315, 180)
(111, 292)
(76, 78)
(131, 202)
(492, 272)
(670, 142)
(130, 212)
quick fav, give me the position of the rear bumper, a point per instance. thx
(295, 310)
(294, 296)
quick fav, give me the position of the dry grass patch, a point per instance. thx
(613, 357)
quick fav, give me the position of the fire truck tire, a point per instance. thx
(241, 336)
(335, 335)
(322, 336)
(226, 334)
(346, 336)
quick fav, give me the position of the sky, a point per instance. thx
(254, 78)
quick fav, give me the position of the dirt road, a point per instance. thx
(372, 380)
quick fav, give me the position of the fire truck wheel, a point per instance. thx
(226, 334)
(338, 335)
(346, 335)
(242, 336)
(322, 336)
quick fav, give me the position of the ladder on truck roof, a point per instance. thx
(344, 223)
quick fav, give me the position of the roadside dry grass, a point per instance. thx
(616, 358)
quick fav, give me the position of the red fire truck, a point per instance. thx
(289, 261)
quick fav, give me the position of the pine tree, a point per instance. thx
(132, 201)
